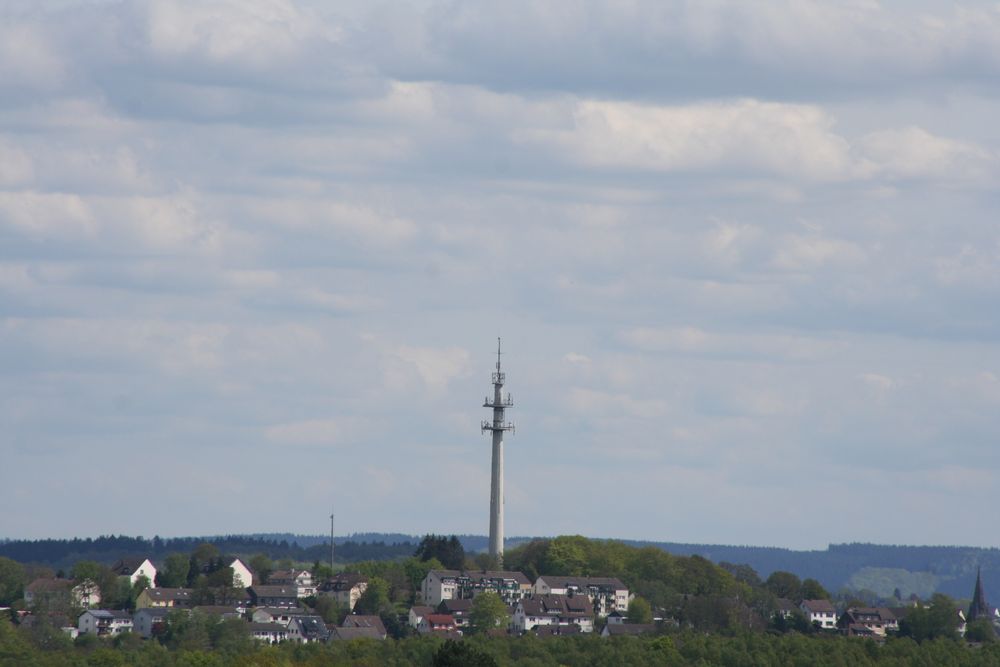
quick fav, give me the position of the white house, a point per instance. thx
(607, 594)
(279, 615)
(44, 592)
(306, 629)
(134, 568)
(242, 574)
(102, 622)
(441, 585)
(301, 579)
(417, 614)
(820, 613)
(559, 610)
(269, 633)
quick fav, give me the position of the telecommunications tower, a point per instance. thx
(497, 427)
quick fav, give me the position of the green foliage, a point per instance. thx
(785, 585)
(262, 567)
(175, 570)
(813, 590)
(447, 550)
(12, 581)
(980, 630)
(462, 654)
(639, 611)
(375, 599)
(937, 621)
(488, 612)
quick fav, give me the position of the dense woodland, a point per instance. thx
(712, 614)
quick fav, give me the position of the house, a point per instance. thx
(150, 621)
(62, 592)
(879, 620)
(785, 608)
(102, 623)
(607, 594)
(274, 596)
(220, 611)
(629, 629)
(346, 634)
(820, 613)
(441, 585)
(360, 621)
(242, 574)
(437, 624)
(164, 597)
(136, 568)
(280, 615)
(417, 614)
(269, 633)
(302, 580)
(346, 589)
(458, 609)
(552, 610)
(306, 629)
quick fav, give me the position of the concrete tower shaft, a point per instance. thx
(496, 427)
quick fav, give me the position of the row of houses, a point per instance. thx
(604, 594)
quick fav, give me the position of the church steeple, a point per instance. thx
(979, 608)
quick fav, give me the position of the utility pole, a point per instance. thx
(331, 544)
(496, 427)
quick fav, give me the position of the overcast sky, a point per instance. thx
(744, 257)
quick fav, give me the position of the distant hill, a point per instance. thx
(879, 568)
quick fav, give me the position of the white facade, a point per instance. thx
(103, 623)
(607, 594)
(242, 576)
(820, 612)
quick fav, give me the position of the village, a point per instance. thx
(293, 606)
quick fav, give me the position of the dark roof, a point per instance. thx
(128, 565)
(267, 627)
(455, 606)
(557, 630)
(483, 575)
(818, 606)
(108, 613)
(556, 605)
(355, 633)
(311, 627)
(361, 621)
(274, 592)
(153, 611)
(616, 629)
(559, 581)
(281, 611)
(216, 609)
(49, 585)
(785, 605)
(343, 582)
(161, 594)
(421, 610)
(979, 607)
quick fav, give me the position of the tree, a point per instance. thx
(940, 619)
(785, 585)
(87, 569)
(813, 590)
(174, 573)
(262, 567)
(12, 581)
(462, 654)
(980, 630)
(448, 550)
(639, 611)
(566, 555)
(375, 599)
(488, 612)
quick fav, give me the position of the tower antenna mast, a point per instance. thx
(496, 427)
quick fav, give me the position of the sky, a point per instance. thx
(744, 259)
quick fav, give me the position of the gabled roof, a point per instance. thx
(818, 606)
(355, 633)
(274, 591)
(482, 575)
(420, 610)
(128, 565)
(616, 629)
(362, 621)
(785, 605)
(440, 619)
(164, 594)
(556, 605)
(109, 614)
(311, 627)
(455, 606)
(559, 581)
